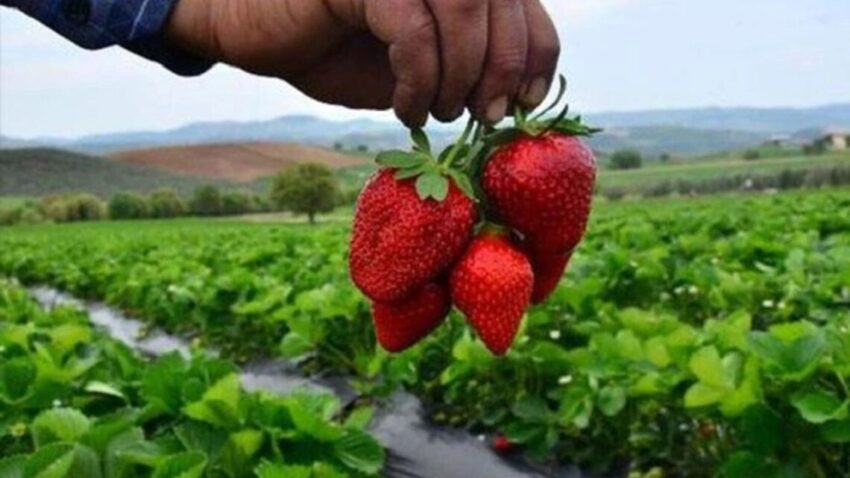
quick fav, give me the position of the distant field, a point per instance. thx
(241, 162)
(717, 167)
(8, 202)
(41, 171)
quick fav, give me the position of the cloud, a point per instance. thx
(575, 12)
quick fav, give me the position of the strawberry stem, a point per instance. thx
(459, 143)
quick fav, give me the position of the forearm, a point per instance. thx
(136, 25)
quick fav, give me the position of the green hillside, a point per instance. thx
(41, 171)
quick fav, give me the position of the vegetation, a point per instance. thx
(306, 189)
(626, 159)
(206, 201)
(166, 203)
(75, 403)
(128, 206)
(42, 171)
(701, 336)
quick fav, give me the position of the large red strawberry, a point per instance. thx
(542, 187)
(491, 285)
(548, 271)
(401, 241)
(401, 324)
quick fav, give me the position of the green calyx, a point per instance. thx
(463, 161)
(433, 173)
(536, 125)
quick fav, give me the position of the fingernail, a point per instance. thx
(536, 92)
(497, 110)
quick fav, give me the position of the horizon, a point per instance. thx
(755, 56)
(432, 125)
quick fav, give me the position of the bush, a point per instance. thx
(126, 205)
(234, 203)
(73, 207)
(307, 188)
(166, 203)
(206, 201)
(626, 159)
(751, 154)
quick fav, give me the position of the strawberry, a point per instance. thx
(401, 324)
(542, 187)
(492, 285)
(402, 241)
(502, 444)
(547, 274)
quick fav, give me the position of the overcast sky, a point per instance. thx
(619, 55)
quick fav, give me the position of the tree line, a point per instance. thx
(308, 189)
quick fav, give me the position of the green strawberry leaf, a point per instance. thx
(432, 185)
(820, 406)
(400, 159)
(412, 172)
(462, 181)
(420, 140)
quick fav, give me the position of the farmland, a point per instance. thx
(717, 166)
(698, 336)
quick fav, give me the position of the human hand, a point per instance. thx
(417, 56)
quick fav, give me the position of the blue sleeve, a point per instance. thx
(133, 24)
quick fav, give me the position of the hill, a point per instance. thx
(240, 162)
(759, 120)
(41, 171)
(706, 130)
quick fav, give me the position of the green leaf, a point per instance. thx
(400, 159)
(12, 466)
(531, 409)
(611, 400)
(268, 469)
(406, 173)
(360, 452)
(762, 429)
(745, 464)
(312, 423)
(59, 424)
(359, 419)
(705, 363)
(294, 345)
(52, 461)
(462, 181)
(163, 381)
(702, 395)
(241, 448)
(420, 140)
(820, 406)
(182, 465)
(432, 185)
(836, 432)
(104, 388)
(219, 405)
(16, 379)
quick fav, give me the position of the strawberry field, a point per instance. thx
(689, 337)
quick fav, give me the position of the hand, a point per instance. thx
(417, 56)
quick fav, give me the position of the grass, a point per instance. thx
(716, 168)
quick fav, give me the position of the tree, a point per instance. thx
(234, 203)
(626, 159)
(752, 154)
(307, 188)
(206, 201)
(166, 203)
(124, 205)
(664, 157)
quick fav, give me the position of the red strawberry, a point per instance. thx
(542, 187)
(401, 242)
(502, 444)
(492, 285)
(548, 271)
(400, 325)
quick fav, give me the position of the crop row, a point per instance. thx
(75, 403)
(699, 337)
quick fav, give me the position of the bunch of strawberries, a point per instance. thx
(488, 225)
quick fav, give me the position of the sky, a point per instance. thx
(621, 55)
